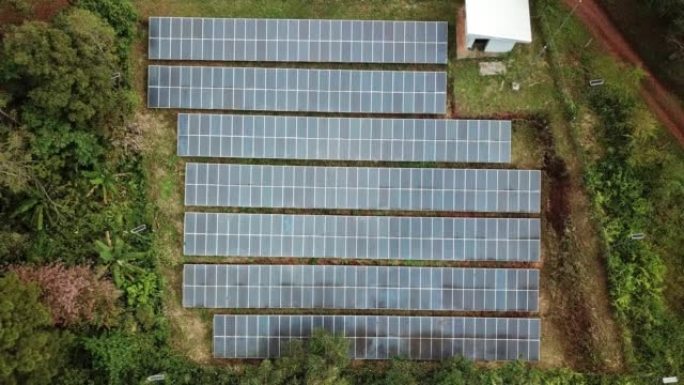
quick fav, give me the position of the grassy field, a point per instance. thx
(578, 330)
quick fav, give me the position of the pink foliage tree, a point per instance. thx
(74, 295)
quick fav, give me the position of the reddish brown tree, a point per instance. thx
(74, 295)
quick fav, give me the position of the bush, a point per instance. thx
(622, 194)
(121, 16)
(30, 353)
(63, 73)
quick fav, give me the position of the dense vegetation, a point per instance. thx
(634, 192)
(80, 293)
(672, 13)
(635, 173)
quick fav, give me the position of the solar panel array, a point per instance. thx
(292, 89)
(382, 337)
(231, 185)
(360, 287)
(283, 40)
(350, 287)
(362, 237)
(290, 137)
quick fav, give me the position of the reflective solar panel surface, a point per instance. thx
(382, 337)
(291, 89)
(288, 40)
(362, 237)
(366, 139)
(360, 287)
(427, 189)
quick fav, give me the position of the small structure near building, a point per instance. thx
(491, 68)
(495, 26)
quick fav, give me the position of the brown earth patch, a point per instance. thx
(43, 10)
(579, 329)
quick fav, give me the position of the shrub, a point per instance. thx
(30, 353)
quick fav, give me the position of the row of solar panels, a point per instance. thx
(292, 89)
(282, 40)
(362, 237)
(305, 187)
(382, 337)
(355, 139)
(360, 287)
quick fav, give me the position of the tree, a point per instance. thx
(74, 295)
(38, 208)
(104, 180)
(119, 258)
(29, 353)
(65, 72)
(320, 361)
(121, 16)
(14, 160)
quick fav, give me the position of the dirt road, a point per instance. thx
(664, 105)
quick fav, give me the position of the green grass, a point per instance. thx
(476, 95)
(334, 9)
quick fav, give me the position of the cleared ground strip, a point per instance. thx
(382, 337)
(362, 237)
(354, 139)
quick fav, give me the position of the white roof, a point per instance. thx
(504, 19)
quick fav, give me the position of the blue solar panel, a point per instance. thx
(382, 337)
(290, 89)
(360, 188)
(362, 237)
(362, 139)
(288, 40)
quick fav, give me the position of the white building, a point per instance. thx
(496, 25)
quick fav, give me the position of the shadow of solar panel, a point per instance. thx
(362, 237)
(360, 287)
(424, 189)
(382, 337)
(291, 89)
(362, 139)
(303, 40)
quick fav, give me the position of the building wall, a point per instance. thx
(495, 45)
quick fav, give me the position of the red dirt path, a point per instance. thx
(664, 105)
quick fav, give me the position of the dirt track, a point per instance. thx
(662, 103)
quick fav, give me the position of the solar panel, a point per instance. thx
(362, 237)
(382, 337)
(292, 89)
(283, 40)
(360, 287)
(427, 189)
(291, 137)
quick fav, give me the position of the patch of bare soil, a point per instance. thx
(190, 332)
(43, 10)
(579, 328)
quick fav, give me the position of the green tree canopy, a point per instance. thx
(65, 72)
(29, 353)
(321, 361)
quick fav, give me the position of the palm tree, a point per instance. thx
(119, 258)
(104, 180)
(38, 208)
